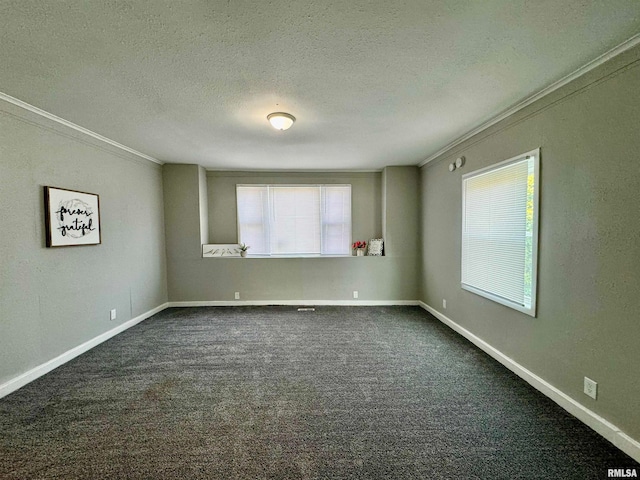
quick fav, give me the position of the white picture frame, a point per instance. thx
(223, 250)
(376, 247)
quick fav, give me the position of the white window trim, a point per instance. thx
(534, 255)
(297, 255)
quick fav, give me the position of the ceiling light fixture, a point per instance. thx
(281, 120)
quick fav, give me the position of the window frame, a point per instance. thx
(321, 186)
(531, 311)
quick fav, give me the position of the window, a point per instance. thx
(295, 220)
(500, 232)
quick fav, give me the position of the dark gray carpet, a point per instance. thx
(268, 392)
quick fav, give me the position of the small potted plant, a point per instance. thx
(359, 247)
(243, 249)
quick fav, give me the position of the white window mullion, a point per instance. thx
(271, 217)
(323, 209)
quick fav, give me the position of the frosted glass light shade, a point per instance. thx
(281, 120)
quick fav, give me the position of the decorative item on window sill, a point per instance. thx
(225, 250)
(243, 249)
(376, 247)
(359, 247)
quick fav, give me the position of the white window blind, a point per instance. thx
(295, 220)
(336, 220)
(253, 216)
(499, 232)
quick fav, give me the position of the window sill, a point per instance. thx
(267, 257)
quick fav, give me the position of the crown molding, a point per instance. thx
(73, 126)
(623, 47)
(217, 172)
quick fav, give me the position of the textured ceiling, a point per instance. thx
(372, 83)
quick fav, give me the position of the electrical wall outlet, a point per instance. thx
(590, 388)
(444, 303)
(237, 297)
(355, 294)
(112, 314)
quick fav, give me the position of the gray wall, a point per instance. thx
(54, 299)
(365, 192)
(401, 211)
(297, 279)
(589, 251)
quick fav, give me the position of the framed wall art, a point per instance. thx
(221, 250)
(71, 218)
(376, 247)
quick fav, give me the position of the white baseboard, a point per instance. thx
(241, 303)
(29, 376)
(609, 431)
